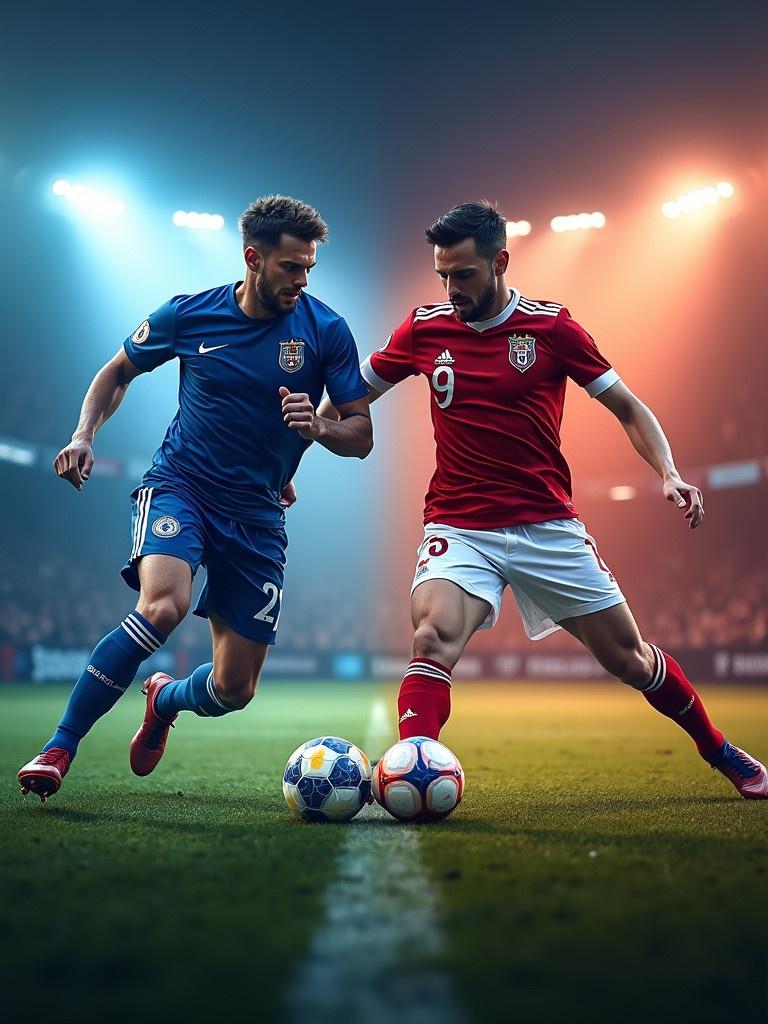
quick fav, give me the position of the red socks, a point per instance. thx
(671, 693)
(424, 701)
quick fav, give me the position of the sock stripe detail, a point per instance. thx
(143, 631)
(424, 668)
(130, 628)
(142, 518)
(210, 685)
(660, 671)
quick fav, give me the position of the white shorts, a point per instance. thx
(552, 568)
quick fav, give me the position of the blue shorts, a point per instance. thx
(245, 565)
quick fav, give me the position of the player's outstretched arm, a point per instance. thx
(108, 387)
(650, 441)
(350, 435)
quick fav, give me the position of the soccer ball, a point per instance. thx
(419, 779)
(327, 779)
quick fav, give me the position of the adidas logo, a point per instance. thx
(407, 714)
(445, 359)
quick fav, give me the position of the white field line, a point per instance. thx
(380, 919)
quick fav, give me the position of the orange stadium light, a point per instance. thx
(518, 228)
(624, 492)
(577, 222)
(697, 199)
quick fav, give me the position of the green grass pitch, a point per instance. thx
(597, 869)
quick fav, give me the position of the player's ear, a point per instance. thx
(252, 258)
(500, 263)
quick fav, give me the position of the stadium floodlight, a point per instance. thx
(88, 201)
(518, 228)
(198, 221)
(697, 199)
(578, 222)
(17, 452)
(624, 492)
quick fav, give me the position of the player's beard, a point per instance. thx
(268, 298)
(480, 309)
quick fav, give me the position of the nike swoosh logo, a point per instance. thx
(202, 350)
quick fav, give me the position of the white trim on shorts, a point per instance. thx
(143, 501)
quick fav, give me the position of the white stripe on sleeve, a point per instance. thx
(371, 377)
(602, 383)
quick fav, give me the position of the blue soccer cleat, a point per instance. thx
(749, 776)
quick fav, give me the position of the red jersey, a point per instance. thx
(497, 393)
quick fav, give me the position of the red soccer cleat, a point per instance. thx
(747, 774)
(148, 745)
(45, 773)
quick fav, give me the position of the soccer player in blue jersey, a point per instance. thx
(255, 358)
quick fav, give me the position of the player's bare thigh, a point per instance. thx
(237, 663)
(444, 618)
(166, 590)
(614, 640)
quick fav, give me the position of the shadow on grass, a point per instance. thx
(219, 815)
(239, 817)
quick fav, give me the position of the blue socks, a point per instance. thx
(111, 670)
(195, 693)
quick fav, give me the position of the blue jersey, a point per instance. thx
(227, 443)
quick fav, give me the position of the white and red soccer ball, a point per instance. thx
(418, 779)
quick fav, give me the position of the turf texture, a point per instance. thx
(597, 869)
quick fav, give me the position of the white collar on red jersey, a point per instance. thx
(505, 314)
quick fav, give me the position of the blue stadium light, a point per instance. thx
(17, 452)
(697, 199)
(198, 221)
(578, 222)
(88, 201)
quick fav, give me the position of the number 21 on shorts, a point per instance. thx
(274, 594)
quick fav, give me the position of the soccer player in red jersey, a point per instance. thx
(499, 510)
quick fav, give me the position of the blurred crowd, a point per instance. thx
(73, 598)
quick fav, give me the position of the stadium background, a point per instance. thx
(383, 128)
(594, 863)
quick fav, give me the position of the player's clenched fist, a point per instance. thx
(299, 414)
(75, 462)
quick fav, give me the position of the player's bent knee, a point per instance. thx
(429, 643)
(164, 612)
(633, 669)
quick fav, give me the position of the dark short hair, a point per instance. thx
(266, 219)
(482, 221)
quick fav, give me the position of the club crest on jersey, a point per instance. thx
(291, 355)
(522, 351)
(166, 526)
(141, 333)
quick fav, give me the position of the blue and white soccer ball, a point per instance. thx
(419, 779)
(327, 779)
